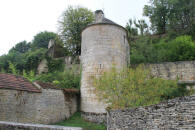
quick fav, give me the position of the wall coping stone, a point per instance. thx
(15, 126)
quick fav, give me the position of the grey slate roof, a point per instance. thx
(105, 20)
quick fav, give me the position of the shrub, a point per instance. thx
(33, 58)
(55, 64)
(64, 79)
(164, 50)
(134, 87)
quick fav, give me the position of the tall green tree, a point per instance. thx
(157, 11)
(181, 16)
(132, 31)
(71, 23)
(42, 39)
(141, 24)
(21, 47)
(171, 16)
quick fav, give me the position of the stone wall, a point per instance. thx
(20, 126)
(177, 114)
(50, 106)
(99, 118)
(184, 70)
(42, 67)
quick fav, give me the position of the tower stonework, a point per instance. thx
(104, 44)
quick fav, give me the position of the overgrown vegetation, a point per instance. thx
(170, 36)
(64, 79)
(151, 50)
(135, 87)
(27, 56)
(77, 121)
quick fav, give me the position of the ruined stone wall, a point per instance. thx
(102, 47)
(42, 67)
(50, 106)
(177, 114)
(184, 70)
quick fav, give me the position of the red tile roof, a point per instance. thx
(10, 81)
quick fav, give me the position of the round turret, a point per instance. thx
(104, 44)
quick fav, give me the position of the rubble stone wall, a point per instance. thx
(177, 114)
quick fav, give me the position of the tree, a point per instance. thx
(71, 24)
(21, 47)
(181, 17)
(132, 31)
(158, 14)
(42, 39)
(171, 16)
(141, 25)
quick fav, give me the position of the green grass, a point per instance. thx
(77, 121)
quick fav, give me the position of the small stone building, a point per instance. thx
(26, 102)
(55, 50)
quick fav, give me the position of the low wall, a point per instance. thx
(49, 106)
(20, 126)
(99, 118)
(184, 70)
(178, 113)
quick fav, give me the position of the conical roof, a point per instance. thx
(100, 19)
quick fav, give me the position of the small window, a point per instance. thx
(100, 66)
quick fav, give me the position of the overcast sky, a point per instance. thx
(22, 19)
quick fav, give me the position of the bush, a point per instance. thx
(64, 79)
(33, 58)
(135, 87)
(146, 50)
(55, 64)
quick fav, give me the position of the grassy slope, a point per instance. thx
(77, 121)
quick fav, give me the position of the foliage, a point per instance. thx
(65, 79)
(21, 47)
(72, 21)
(158, 14)
(30, 76)
(55, 64)
(33, 58)
(171, 15)
(132, 31)
(134, 87)
(77, 121)
(148, 50)
(26, 56)
(141, 25)
(181, 16)
(2, 70)
(42, 39)
(13, 69)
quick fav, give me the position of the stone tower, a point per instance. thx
(104, 43)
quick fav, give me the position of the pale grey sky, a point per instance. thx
(22, 19)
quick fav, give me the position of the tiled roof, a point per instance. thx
(47, 85)
(10, 81)
(51, 86)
